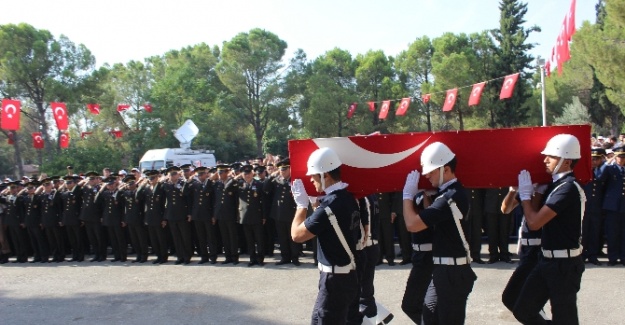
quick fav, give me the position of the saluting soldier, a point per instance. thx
(593, 214)
(154, 197)
(111, 204)
(614, 205)
(91, 215)
(14, 220)
(32, 221)
(178, 214)
(202, 216)
(225, 212)
(252, 214)
(134, 215)
(51, 209)
(278, 190)
(269, 228)
(71, 199)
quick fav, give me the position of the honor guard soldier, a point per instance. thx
(335, 223)
(154, 197)
(452, 276)
(558, 275)
(252, 214)
(278, 190)
(226, 212)
(51, 209)
(202, 216)
(592, 234)
(32, 221)
(134, 213)
(614, 206)
(178, 214)
(71, 199)
(14, 220)
(111, 204)
(91, 215)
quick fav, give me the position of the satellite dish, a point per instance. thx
(186, 133)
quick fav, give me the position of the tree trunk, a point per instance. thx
(17, 155)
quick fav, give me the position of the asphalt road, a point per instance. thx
(114, 293)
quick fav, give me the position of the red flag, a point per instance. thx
(395, 155)
(570, 23)
(11, 110)
(564, 53)
(37, 140)
(384, 110)
(351, 110)
(403, 106)
(508, 86)
(450, 99)
(84, 134)
(117, 133)
(59, 110)
(476, 93)
(148, 108)
(94, 108)
(10, 138)
(426, 98)
(122, 107)
(64, 140)
(371, 106)
(548, 68)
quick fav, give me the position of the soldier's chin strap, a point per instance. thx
(441, 170)
(322, 181)
(555, 170)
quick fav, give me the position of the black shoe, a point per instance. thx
(261, 263)
(102, 259)
(212, 261)
(391, 263)
(296, 263)
(156, 261)
(178, 262)
(404, 262)
(506, 259)
(493, 260)
(162, 262)
(227, 261)
(251, 263)
(479, 261)
(187, 262)
(282, 262)
(202, 261)
(594, 261)
(115, 260)
(612, 263)
(235, 262)
(135, 261)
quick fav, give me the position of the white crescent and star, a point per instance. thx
(63, 136)
(56, 112)
(38, 138)
(354, 155)
(450, 98)
(476, 91)
(10, 106)
(508, 83)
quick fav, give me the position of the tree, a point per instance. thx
(250, 69)
(573, 113)
(373, 69)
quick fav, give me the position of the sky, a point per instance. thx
(118, 31)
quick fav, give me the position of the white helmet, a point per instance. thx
(322, 161)
(564, 146)
(434, 156)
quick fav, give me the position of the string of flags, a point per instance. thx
(451, 95)
(561, 51)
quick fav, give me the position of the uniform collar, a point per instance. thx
(558, 176)
(446, 185)
(335, 187)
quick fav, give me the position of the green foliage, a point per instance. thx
(573, 113)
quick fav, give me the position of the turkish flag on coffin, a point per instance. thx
(11, 110)
(486, 158)
(60, 115)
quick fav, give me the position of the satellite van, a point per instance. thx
(156, 159)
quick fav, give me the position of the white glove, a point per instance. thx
(526, 189)
(540, 188)
(299, 194)
(411, 188)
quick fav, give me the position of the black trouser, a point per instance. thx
(255, 238)
(354, 317)
(230, 237)
(528, 259)
(39, 243)
(387, 244)
(615, 231)
(158, 239)
(405, 238)
(117, 236)
(19, 237)
(289, 250)
(557, 280)
(207, 235)
(336, 292)
(96, 239)
(591, 234)
(367, 300)
(270, 236)
(139, 240)
(56, 242)
(498, 234)
(74, 234)
(181, 232)
(475, 235)
(446, 298)
(417, 285)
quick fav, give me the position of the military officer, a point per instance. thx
(498, 226)
(476, 217)
(269, 228)
(226, 212)
(403, 235)
(32, 221)
(51, 209)
(154, 198)
(614, 205)
(134, 213)
(202, 216)
(252, 214)
(593, 214)
(111, 203)
(387, 228)
(91, 215)
(71, 200)
(178, 214)
(14, 220)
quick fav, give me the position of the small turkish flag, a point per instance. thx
(351, 110)
(11, 110)
(564, 53)
(476, 93)
(122, 107)
(384, 110)
(508, 86)
(94, 108)
(59, 110)
(148, 108)
(84, 134)
(64, 140)
(371, 106)
(117, 133)
(426, 98)
(11, 138)
(450, 99)
(548, 68)
(570, 23)
(403, 106)
(37, 140)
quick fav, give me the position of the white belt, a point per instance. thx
(450, 260)
(334, 269)
(530, 241)
(422, 247)
(562, 253)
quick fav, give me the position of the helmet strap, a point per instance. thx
(322, 181)
(555, 171)
(440, 175)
